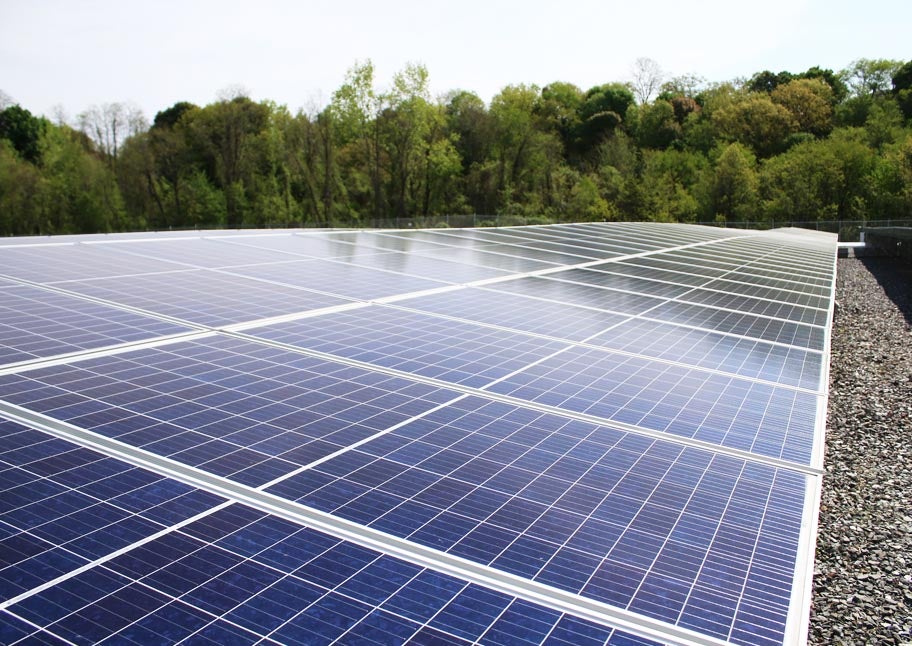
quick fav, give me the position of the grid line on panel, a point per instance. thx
(538, 406)
(590, 342)
(227, 405)
(197, 325)
(372, 539)
(558, 332)
(636, 622)
(105, 302)
(289, 604)
(243, 555)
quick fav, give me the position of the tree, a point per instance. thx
(819, 180)
(355, 107)
(110, 124)
(809, 102)
(170, 117)
(891, 181)
(756, 121)
(733, 192)
(647, 77)
(226, 135)
(407, 123)
(22, 198)
(767, 81)
(558, 111)
(23, 131)
(883, 124)
(601, 112)
(673, 181)
(686, 85)
(902, 88)
(870, 77)
(515, 138)
(657, 127)
(838, 89)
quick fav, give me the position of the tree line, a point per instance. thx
(777, 147)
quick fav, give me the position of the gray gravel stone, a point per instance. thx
(863, 573)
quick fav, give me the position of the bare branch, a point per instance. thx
(647, 77)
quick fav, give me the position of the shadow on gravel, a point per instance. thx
(895, 276)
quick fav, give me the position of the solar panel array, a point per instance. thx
(569, 434)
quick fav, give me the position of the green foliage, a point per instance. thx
(782, 147)
(23, 131)
(601, 112)
(733, 187)
(757, 121)
(902, 89)
(809, 102)
(870, 77)
(767, 81)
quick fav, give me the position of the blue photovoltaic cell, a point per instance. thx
(338, 245)
(419, 241)
(634, 522)
(230, 407)
(62, 506)
(664, 276)
(720, 410)
(663, 262)
(750, 325)
(199, 252)
(483, 257)
(38, 323)
(781, 364)
(434, 269)
(600, 247)
(45, 264)
(748, 305)
(619, 282)
(722, 342)
(518, 312)
(528, 253)
(204, 297)
(342, 279)
(429, 346)
(537, 244)
(750, 285)
(738, 280)
(581, 295)
(239, 576)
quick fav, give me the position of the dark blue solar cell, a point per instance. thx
(275, 605)
(204, 297)
(222, 633)
(339, 278)
(684, 536)
(324, 621)
(720, 410)
(167, 625)
(352, 404)
(429, 346)
(470, 613)
(424, 596)
(572, 631)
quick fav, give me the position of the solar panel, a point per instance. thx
(97, 549)
(603, 433)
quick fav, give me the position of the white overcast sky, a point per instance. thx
(78, 53)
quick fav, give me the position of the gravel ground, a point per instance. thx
(863, 573)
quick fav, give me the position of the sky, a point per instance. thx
(60, 57)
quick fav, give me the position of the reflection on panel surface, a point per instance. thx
(553, 434)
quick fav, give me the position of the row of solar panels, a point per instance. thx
(546, 446)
